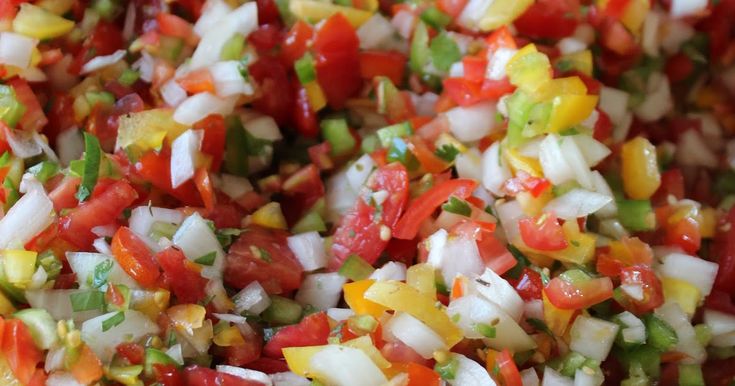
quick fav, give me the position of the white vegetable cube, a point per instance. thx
(252, 299)
(593, 337)
(16, 49)
(309, 250)
(321, 290)
(340, 365)
(415, 334)
(699, 272)
(473, 122)
(134, 326)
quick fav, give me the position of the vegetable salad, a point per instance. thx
(367, 192)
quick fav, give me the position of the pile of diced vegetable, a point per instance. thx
(367, 192)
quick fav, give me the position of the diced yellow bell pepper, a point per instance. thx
(533, 206)
(314, 11)
(635, 14)
(641, 177)
(580, 61)
(682, 292)
(709, 221)
(528, 69)
(58, 7)
(19, 266)
(422, 278)
(399, 296)
(39, 23)
(555, 318)
(570, 110)
(354, 294)
(228, 336)
(6, 306)
(519, 162)
(187, 316)
(365, 344)
(270, 216)
(298, 359)
(560, 86)
(580, 247)
(502, 12)
(152, 304)
(147, 129)
(315, 94)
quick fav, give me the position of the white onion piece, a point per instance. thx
(184, 152)
(16, 49)
(62, 379)
(235, 186)
(553, 378)
(252, 299)
(693, 151)
(172, 93)
(415, 334)
(142, 218)
(135, 326)
(83, 264)
(176, 353)
(576, 160)
(601, 187)
(650, 34)
(263, 127)
(59, 76)
(321, 290)
(719, 323)
(443, 252)
(634, 330)
(340, 197)
(144, 66)
(469, 164)
(683, 8)
(694, 270)
(570, 45)
(309, 250)
(529, 377)
(577, 203)
(228, 80)
(658, 100)
(425, 103)
(101, 246)
(58, 303)
(199, 106)
(473, 12)
(592, 337)
(27, 218)
(592, 150)
(340, 314)
(470, 373)
(212, 12)
(215, 290)
(586, 376)
(614, 103)
(289, 379)
(509, 212)
(23, 144)
(390, 271)
(358, 173)
(497, 62)
(403, 21)
(242, 20)
(494, 170)
(375, 31)
(553, 161)
(246, 374)
(196, 239)
(100, 62)
(70, 145)
(340, 365)
(497, 290)
(688, 344)
(54, 359)
(473, 122)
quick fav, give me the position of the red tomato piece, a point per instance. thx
(177, 27)
(508, 369)
(684, 234)
(132, 352)
(156, 169)
(581, 295)
(398, 352)
(19, 349)
(495, 255)
(304, 116)
(268, 12)
(186, 283)
(337, 60)
(262, 254)
(643, 276)
(203, 376)
(474, 68)
(241, 354)
(213, 143)
(528, 285)
(724, 249)
(272, 77)
(134, 257)
(168, 375)
(451, 7)
(296, 42)
(360, 229)
(543, 233)
(679, 67)
(76, 227)
(422, 207)
(390, 64)
(33, 118)
(62, 194)
(266, 37)
(268, 365)
(553, 19)
(302, 190)
(313, 330)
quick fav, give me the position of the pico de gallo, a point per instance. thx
(367, 192)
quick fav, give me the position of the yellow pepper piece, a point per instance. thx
(570, 110)
(314, 11)
(635, 14)
(19, 266)
(402, 297)
(153, 304)
(187, 316)
(228, 336)
(519, 162)
(580, 247)
(147, 129)
(528, 69)
(534, 206)
(682, 292)
(58, 7)
(641, 177)
(270, 216)
(299, 358)
(365, 344)
(39, 23)
(708, 224)
(556, 319)
(355, 298)
(580, 61)
(422, 278)
(315, 94)
(6, 306)
(560, 86)
(502, 12)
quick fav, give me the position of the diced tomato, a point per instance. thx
(616, 38)
(428, 160)
(268, 365)
(313, 330)
(543, 233)
(186, 283)
(156, 169)
(304, 115)
(418, 375)
(724, 250)
(39, 378)
(197, 81)
(615, 8)
(423, 206)
(296, 42)
(202, 376)
(397, 351)
(268, 12)
(132, 352)
(213, 143)
(302, 190)
(508, 369)
(360, 230)
(134, 257)
(62, 195)
(603, 127)
(19, 349)
(272, 77)
(205, 188)
(60, 116)
(679, 67)
(568, 296)
(465, 93)
(474, 68)
(337, 60)
(242, 354)
(172, 25)
(719, 372)
(528, 285)
(390, 64)
(721, 301)
(451, 7)
(553, 19)
(76, 227)
(266, 37)
(262, 254)
(495, 255)
(643, 276)
(168, 375)
(33, 118)
(685, 234)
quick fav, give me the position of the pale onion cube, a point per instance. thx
(252, 299)
(592, 337)
(309, 250)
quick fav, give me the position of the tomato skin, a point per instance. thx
(266, 37)
(577, 296)
(272, 77)
(134, 257)
(268, 12)
(268, 365)
(19, 349)
(76, 227)
(168, 375)
(495, 255)
(187, 284)
(203, 376)
(422, 207)
(724, 249)
(552, 19)
(543, 233)
(304, 115)
(243, 266)
(133, 352)
(296, 42)
(508, 369)
(313, 330)
(684, 234)
(451, 7)
(528, 285)
(156, 169)
(33, 118)
(644, 276)
(679, 67)
(398, 352)
(213, 142)
(242, 354)
(337, 60)
(390, 64)
(359, 231)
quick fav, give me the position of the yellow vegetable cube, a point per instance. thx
(315, 94)
(502, 12)
(560, 86)
(314, 11)
(19, 266)
(422, 277)
(355, 298)
(641, 177)
(270, 216)
(682, 292)
(39, 23)
(299, 358)
(529, 69)
(570, 110)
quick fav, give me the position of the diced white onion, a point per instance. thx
(473, 122)
(470, 373)
(414, 333)
(497, 290)
(235, 186)
(658, 101)
(683, 8)
(340, 314)
(390, 271)
(592, 150)
(252, 299)
(246, 374)
(289, 379)
(375, 31)
(722, 326)
(577, 203)
(553, 378)
(83, 264)
(650, 35)
(592, 337)
(340, 196)
(57, 302)
(135, 326)
(443, 254)
(509, 212)
(529, 377)
(469, 164)
(54, 359)
(494, 170)
(263, 127)
(199, 106)
(309, 250)
(16, 49)
(634, 330)
(321, 290)
(212, 14)
(359, 171)
(473, 12)
(142, 218)
(242, 20)
(27, 218)
(62, 379)
(688, 344)
(497, 62)
(101, 246)
(601, 187)
(184, 152)
(553, 162)
(570, 45)
(196, 239)
(403, 21)
(576, 160)
(228, 80)
(586, 376)
(691, 269)
(693, 151)
(144, 66)
(70, 145)
(100, 62)
(22, 143)
(614, 103)
(172, 93)
(176, 353)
